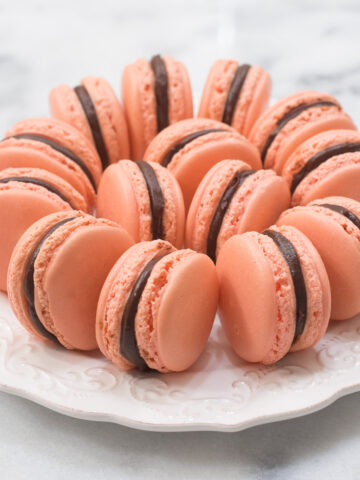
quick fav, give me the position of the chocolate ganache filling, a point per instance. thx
(128, 345)
(161, 91)
(93, 121)
(342, 210)
(58, 148)
(221, 209)
(157, 203)
(37, 181)
(290, 115)
(234, 92)
(188, 139)
(321, 157)
(292, 259)
(29, 286)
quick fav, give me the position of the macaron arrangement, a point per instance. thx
(125, 225)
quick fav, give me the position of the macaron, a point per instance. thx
(93, 108)
(232, 198)
(333, 226)
(274, 293)
(55, 146)
(56, 273)
(157, 307)
(327, 164)
(156, 93)
(291, 121)
(235, 94)
(145, 199)
(27, 194)
(191, 147)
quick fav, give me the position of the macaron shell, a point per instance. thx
(123, 197)
(253, 101)
(20, 206)
(216, 89)
(337, 241)
(205, 201)
(193, 161)
(179, 90)
(73, 265)
(180, 301)
(310, 122)
(245, 276)
(115, 292)
(18, 265)
(139, 104)
(65, 135)
(31, 154)
(339, 176)
(318, 291)
(65, 106)
(256, 205)
(111, 117)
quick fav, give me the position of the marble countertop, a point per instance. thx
(303, 44)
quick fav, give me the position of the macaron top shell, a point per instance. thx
(66, 105)
(139, 96)
(124, 197)
(314, 160)
(251, 267)
(257, 202)
(54, 146)
(336, 237)
(252, 98)
(69, 270)
(204, 143)
(291, 121)
(175, 312)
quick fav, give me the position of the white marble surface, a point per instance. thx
(304, 44)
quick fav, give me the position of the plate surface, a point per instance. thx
(219, 393)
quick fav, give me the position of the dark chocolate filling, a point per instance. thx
(93, 121)
(292, 259)
(290, 115)
(157, 203)
(37, 181)
(321, 157)
(161, 92)
(58, 148)
(343, 211)
(29, 286)
(128, 345)
(181, 144)
(234, 92)
(221, 209)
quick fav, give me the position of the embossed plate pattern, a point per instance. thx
(220, 392)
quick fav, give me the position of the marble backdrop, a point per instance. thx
(303, 44)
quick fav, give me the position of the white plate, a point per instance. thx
(220, 392)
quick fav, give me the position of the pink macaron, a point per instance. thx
(145, 199)
(156, 93)
(55, 146)
(56, 273)
(26, 195)
(191, 147)
(235, 94)
(157, 307)
(274, 293)
(333, 226)
(232, 198)
(291, 121)
(327, 164)
(93, 108)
